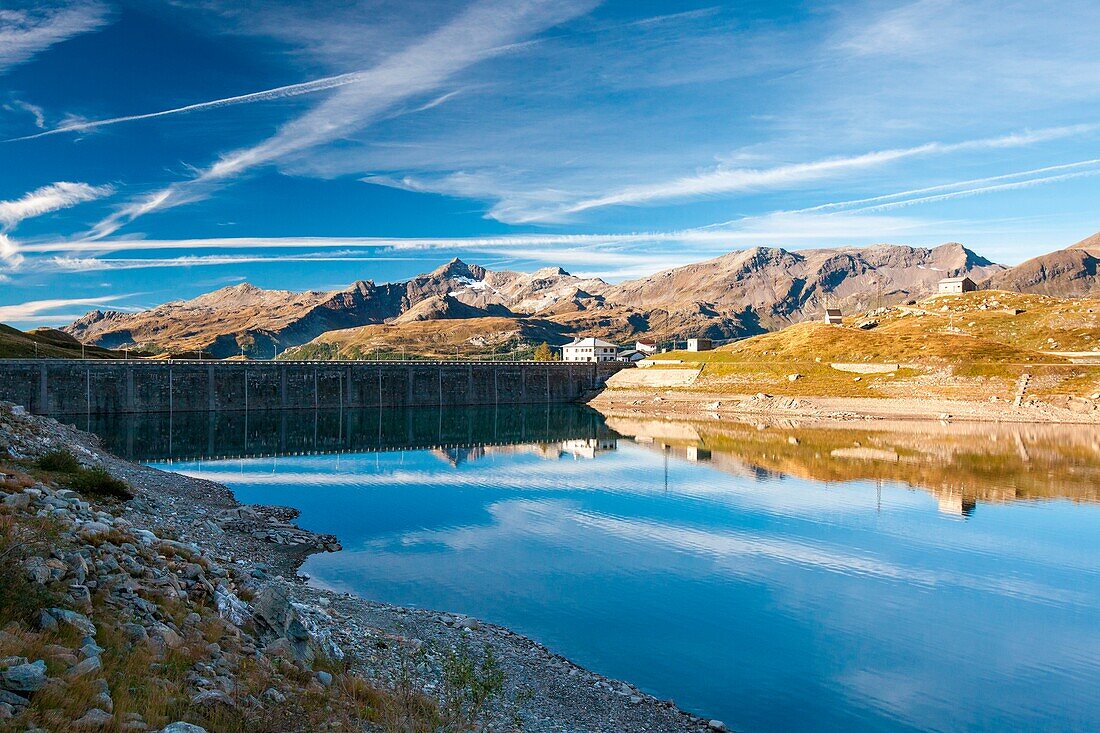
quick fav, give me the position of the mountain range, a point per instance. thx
(742, 293)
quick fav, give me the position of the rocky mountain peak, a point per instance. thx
(1091, 244)
(457, 268)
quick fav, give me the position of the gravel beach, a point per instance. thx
(257, 550)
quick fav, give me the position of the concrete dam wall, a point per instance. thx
(61, 386)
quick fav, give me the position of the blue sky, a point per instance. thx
(156, 150)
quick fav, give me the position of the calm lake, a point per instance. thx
(778, 578)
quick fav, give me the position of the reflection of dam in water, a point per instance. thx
(220, 435)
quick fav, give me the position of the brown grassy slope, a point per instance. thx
(972, 346)
(1043, 323)
(16, 344)
(980, 327)
(907, 342)
(430, 339)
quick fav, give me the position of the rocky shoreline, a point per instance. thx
(182, 565)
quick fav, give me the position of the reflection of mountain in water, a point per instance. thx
(960, 464)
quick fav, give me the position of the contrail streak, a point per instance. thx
(291, 90)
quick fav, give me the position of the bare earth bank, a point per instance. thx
(696, 405)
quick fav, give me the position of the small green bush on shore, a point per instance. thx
(98, 482)
(61, 461)
(90, 481)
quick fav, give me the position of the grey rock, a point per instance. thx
(300, 625)
(324, 678)
(78, 621)
(16, 701)
(213, 697)
(230, 607)
(88, 666)
(717, 726)
(181, 727)
(274, 695)
(45, 621)
(24, 678)
(17, 501)
(38, 570)
(80, 595)
(91, 530)
(166, 636)
(146, 537)
(95, 718)
(136, 632)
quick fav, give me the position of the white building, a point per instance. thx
(632, 355)
(700, 345)
(833, 317)
(957, 285)
(590, 349)
(646, 347)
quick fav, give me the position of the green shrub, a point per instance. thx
(469, 685)
(97, 482)
(61, 461)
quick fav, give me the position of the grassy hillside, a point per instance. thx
(1027, 321)
(439, 339)
(16, 344)
(972, 346)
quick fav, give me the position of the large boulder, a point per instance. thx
(51, 617)
(304, 628)
(26, 678)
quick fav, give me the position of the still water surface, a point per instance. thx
(779, 579)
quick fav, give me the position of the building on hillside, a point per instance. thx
(699, 345)
(632, 355)
(646, 347)
(590, 349)
(833, 317)
(951, 285)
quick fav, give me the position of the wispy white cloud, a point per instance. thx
(36, 308)
(479, 32)
(725, 181)
(34, 110)
(978, 190)
(612, 256)
(53, 197)
(1033, 176)
(10, 256)
(26, 32)
(97, 264)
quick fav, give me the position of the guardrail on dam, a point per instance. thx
(64, 386)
